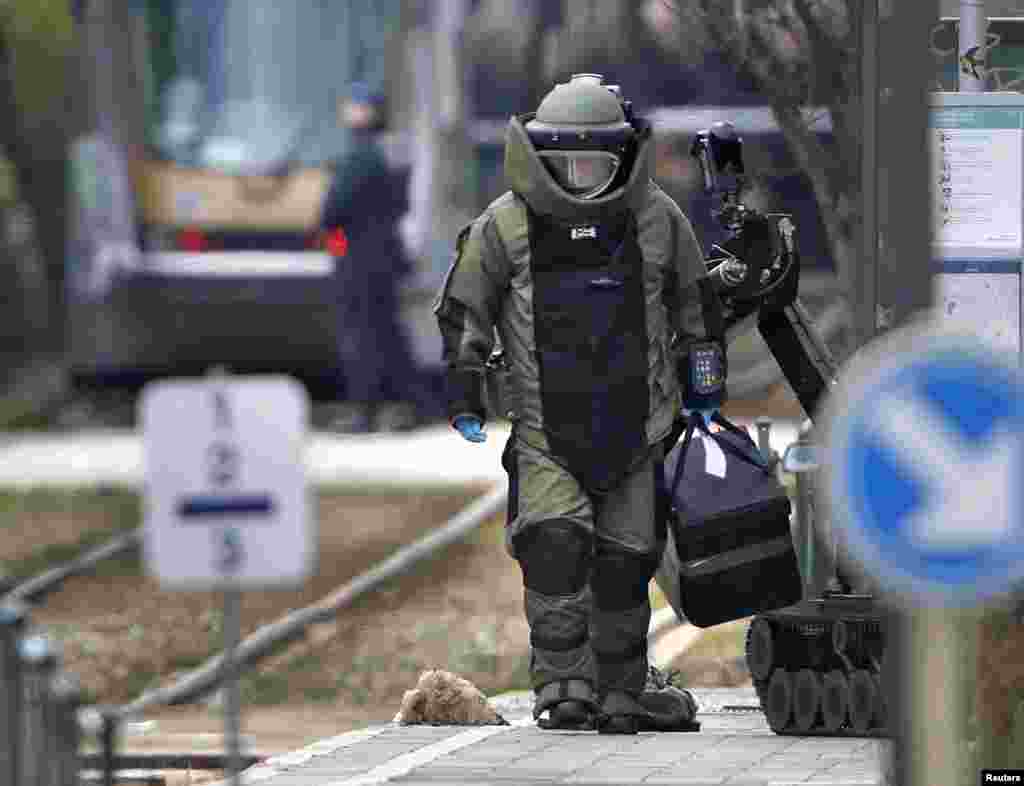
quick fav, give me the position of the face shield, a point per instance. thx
(585, 174)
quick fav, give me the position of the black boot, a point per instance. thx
(620, 713)
(669, 708)
(574, 715)
(570, 705)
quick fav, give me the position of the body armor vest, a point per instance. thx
(590, 331)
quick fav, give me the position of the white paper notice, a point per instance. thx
(977, 186)
(714, 458)
(986, 304)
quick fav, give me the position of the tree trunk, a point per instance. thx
(835, 192)
(37, 147)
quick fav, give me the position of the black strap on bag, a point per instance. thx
(747, 450)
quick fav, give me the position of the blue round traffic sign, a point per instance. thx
(925, 435)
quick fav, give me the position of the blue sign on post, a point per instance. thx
(925, 477)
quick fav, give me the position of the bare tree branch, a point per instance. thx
(801, 55)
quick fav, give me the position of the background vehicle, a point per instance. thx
(200, 179)
(199, 185)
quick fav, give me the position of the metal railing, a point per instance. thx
(43, 720)
(39, 703)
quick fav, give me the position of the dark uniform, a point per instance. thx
(586, 294)
(365, 201)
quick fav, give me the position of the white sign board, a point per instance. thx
(982, 297)
(977, 144)
(978, 159)
(226, 499)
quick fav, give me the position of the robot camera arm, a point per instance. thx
(756, 271)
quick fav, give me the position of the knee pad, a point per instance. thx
(620, 576)
(555, 556)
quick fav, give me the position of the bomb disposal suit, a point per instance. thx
(585, 269)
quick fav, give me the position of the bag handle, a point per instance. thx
(691, 424)
(748, 451)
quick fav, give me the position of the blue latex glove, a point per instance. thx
(707, 414)
(470, 427)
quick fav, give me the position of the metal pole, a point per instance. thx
(108, 743)
(916, 652)
(863, 277)
(38, 663)
(12, 621)
(972, 55)
(232, 697)
(65, 699)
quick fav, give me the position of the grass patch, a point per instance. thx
(23, 415)
(490, 533)
(321, 694)
(188, 662)
(109, 511)
(264, 688)
(87, 696)
(119, 504)
(368, 664)
(410, 664)
(15, 502)
(304, 663)
(127, 564)
(359, 694)
(139, 681)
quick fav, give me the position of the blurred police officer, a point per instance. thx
(585, 270)
(360, 213)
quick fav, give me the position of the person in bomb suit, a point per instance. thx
(587, 272)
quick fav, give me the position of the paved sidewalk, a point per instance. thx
(733, 747)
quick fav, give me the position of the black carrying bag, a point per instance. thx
(729, 547)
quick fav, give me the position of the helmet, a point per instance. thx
(582, 132)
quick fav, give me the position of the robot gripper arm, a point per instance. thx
(756, 272)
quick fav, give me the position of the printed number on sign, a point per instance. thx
(230, 552)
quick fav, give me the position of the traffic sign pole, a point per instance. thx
(227, 504)
(232, 693)
(229, 562)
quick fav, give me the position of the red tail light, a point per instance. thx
(337, 242)
(192, 239)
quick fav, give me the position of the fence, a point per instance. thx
(41, 706)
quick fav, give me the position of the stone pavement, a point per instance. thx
(733, 747)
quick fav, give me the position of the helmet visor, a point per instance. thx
(583, 173)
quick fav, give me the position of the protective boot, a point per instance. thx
(668, 708)
(620, 713)
(570, 704)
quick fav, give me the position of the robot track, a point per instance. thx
(817, 667)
